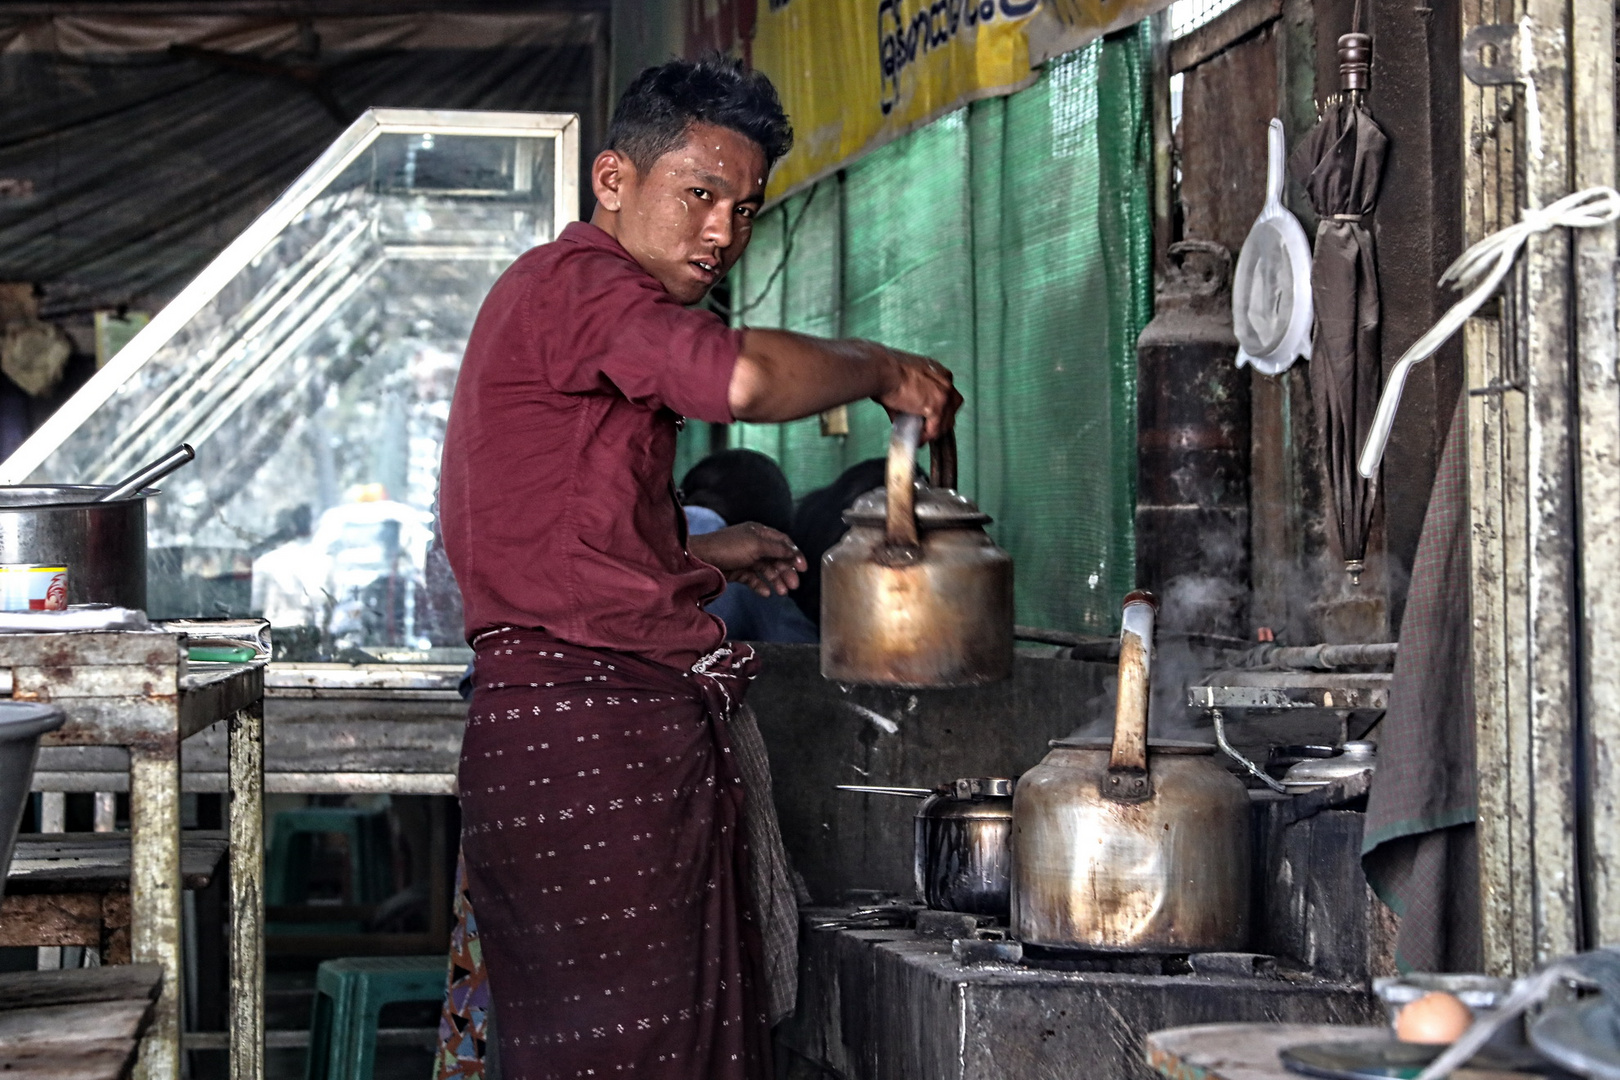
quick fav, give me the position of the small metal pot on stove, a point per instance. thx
(963, 858)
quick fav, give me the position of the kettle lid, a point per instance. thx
(936, 508)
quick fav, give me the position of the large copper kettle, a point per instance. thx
(1127, 844)
(916, 594)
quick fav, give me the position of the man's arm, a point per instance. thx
(784, 376)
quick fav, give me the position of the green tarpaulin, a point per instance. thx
(1010, 241)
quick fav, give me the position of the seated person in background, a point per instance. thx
(818, 524)
(730, 488)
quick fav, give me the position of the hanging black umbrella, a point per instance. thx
(1340, 162)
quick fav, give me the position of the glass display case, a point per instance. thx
(311, 365)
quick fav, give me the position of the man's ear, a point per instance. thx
(611, 173)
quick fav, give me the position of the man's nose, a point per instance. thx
(717, 228)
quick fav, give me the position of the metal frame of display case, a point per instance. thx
(133, 689)
(258, 236)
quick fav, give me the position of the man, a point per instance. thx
(602, 806)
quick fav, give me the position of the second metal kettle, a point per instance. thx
(1127, 844)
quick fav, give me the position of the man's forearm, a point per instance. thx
(784, 376)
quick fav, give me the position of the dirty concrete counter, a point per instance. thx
(891, 1005)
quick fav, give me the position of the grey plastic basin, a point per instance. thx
(21, 725)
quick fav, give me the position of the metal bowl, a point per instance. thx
(21, 725)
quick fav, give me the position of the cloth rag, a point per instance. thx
(1418, 850)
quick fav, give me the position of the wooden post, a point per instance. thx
(247, 893)
(1499, 517)
(1544, 444)
(1597, 395)
(154, 891)
(1553, 623)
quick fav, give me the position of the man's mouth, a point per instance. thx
(708, 270)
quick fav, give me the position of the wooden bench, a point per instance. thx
(73, 888)
(83, 1024)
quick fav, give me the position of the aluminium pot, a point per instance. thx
(102, 544)
(916, 594)
(963, 859)
(1127, 844)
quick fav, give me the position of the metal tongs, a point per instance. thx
(880, 789)
(883, 917)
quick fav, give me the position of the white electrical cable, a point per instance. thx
(1490, 260)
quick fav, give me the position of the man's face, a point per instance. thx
(689, 218)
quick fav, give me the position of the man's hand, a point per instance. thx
(759, 557)
(924, 388)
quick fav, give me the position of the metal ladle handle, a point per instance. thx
(901, 520)
(154, 472)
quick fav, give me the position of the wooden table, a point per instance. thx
(132, 698)
(329, 729)
(83, 1024)
(1249, 1051)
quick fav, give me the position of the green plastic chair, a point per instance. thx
(371, 864)
(349, 996)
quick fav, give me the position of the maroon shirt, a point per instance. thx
(556, 497)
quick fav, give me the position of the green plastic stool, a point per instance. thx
(349, 996)
(371, 869)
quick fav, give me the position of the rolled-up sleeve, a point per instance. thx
(626, 331)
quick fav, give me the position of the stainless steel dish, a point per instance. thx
(1359, 756)
(963, 856)
(1127, 844)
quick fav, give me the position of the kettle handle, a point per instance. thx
(901, 522)
(1128, 779)
(942, 461)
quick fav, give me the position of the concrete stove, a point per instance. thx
(888, 1004)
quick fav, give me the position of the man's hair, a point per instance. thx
(656, 110)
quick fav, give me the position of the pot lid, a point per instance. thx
(1157, 746)
(937, 508)
(978, 787)
(23, 497)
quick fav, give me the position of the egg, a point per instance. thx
(1435, 1017)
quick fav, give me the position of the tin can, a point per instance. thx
(33, 587)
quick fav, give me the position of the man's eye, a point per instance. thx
(701, 193)
(746, 211)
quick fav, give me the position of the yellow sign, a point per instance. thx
(856, 74)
